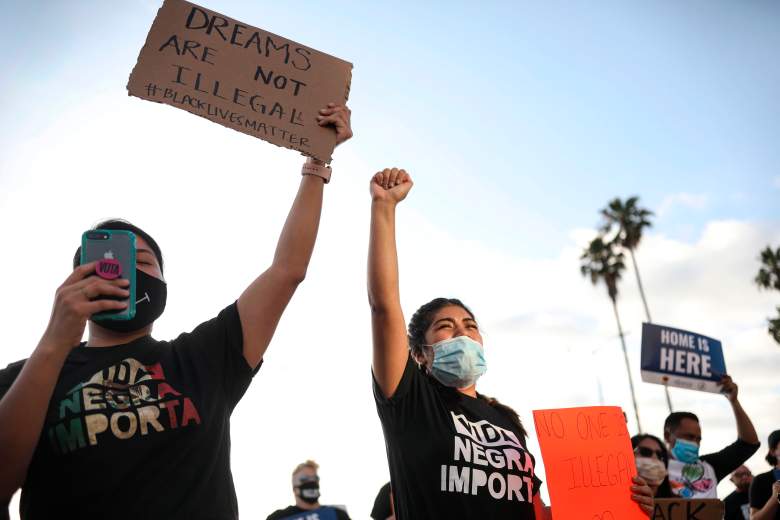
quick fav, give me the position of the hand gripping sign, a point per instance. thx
(588, 462)
(682, 359)
(239, 76)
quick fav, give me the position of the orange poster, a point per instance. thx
(588, 463)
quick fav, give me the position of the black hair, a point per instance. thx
(124, 225)
(774, 439)
(636, 439)
(674, 419)
(419, 324)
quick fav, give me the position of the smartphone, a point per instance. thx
(114, 250)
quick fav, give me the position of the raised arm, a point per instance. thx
(745, 430)
(23, 407)
(388, 188)
(260, 306)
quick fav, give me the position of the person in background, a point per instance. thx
(694, 476)
(306, 489)
(383, 504)
(737, 503)
(765, 489)
(652, 460)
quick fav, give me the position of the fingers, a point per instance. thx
(391, 177)
(338, 116)
(642, 495)
(103, 289)
(79, 273)
(103, 305)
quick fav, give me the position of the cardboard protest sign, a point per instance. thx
(239, 76)
(588, 462)
(681, 358)
(691, 509)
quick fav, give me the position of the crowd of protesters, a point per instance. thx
(141, 428)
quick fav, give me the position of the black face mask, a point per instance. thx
(151, 295)
(309, 492)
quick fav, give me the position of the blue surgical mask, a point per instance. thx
(685, 451)
(458, 362)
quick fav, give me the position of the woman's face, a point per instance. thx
(655, 453)
(653, 446)
(447, 323)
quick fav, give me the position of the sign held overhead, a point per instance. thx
(680, 358)
(241, 77)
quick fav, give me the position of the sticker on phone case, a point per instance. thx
(109, 267)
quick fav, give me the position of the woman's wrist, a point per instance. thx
(316, 168)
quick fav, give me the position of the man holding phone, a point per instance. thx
(125, 426)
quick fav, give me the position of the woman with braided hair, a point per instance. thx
(453, 453)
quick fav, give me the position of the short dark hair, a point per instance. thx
(118, 224)
(674, 419)
(774, 438)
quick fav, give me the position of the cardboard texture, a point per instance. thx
(681, 509)
(239, 76)
(680, 358)
(588, 462)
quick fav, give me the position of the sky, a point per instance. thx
(517, 120)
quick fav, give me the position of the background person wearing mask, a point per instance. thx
(694, 476)
(765, 489)
(652, 460)
(306, 489)
(737, 503)
(126, 426)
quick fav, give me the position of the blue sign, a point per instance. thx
(681, 358)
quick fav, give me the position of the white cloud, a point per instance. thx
(776, 182)
(694, 201)
(216, 200)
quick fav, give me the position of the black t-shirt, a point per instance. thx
(141, 430)
(321, 513)
(736, 504)
(761, 490)
(453, 456)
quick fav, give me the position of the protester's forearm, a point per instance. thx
(745, 430)
(296, 242)
(22, 412)
(383, 289)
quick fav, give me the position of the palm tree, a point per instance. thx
(768, 277)
(630, 220)
(601, 261)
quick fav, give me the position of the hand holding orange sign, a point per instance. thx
(589, 463)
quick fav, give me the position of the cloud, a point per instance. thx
(776, 182)
(686, 200)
